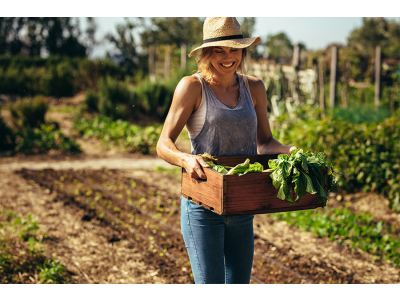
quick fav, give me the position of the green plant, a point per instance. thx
(52, 272)
(39, 140)
(122, 133)
(91, 100)
(302, 172)
(59, 80)
(114, 99)
(356, 230)
(21, 251)
(368, 155)
(28, 112)
(7, 139)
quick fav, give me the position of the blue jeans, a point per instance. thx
(220, 248)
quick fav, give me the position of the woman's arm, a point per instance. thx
(187, 95)
(266, 143)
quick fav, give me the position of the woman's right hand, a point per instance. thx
(194, 164)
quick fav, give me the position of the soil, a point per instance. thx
(112, 218)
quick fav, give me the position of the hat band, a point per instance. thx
(223, 38)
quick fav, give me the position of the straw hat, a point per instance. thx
(224, 32)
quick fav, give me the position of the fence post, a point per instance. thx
(377, 74)
(294, 79)
(183, 56)
(332, 92)
(167, 65)
(321, 86)
(151, 64)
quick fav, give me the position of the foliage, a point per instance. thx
(367, 154)
(175, 171)
(279, 47)
(7, 139)
(121, 133)
(56, 35)
(172, 30)
(58, 80)
(120, 100)
(376, 31)
(41, 140)
(55, 75)
(361, 114)
(114, 99)
(125, 44)
(356, 230)
(301, 172)
(28, 112)
(21, 254)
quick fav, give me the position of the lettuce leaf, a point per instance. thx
(240, 168)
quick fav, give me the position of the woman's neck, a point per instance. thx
(225, 81)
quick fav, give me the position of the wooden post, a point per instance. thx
(296, 56)
(332, 92)
(151, 64)
(321, 87)
(294, 78)
(183, 56)
(278, 81)
(377, 74)
(167, 65)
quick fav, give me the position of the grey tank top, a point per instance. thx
(227, 131)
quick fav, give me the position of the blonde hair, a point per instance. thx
(205, 68)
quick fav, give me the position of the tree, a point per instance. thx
(373, 32)
(370, 34)
(279, 47)
(247, 26)
(34, 39)
(61, 37)
(90, 31)
(10, 40)
(168, 31)
(124, 41)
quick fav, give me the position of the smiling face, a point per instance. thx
(225, 60)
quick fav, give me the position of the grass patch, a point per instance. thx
(356, 230)
(22, 257)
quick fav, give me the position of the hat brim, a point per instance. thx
(238, 43)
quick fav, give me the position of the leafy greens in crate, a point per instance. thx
(240, 169)
(302, 172)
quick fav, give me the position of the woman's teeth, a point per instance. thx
(227, 66)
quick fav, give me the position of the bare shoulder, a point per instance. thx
(189, 85)
(256, 84)
(188, 93)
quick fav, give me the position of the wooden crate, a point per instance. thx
(249, 194)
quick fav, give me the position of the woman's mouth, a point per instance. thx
(228, 65)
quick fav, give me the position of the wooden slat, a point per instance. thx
(209, 192)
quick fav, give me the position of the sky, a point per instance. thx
(314, 32)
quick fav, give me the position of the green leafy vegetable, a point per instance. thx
(240, 169)
(302, 172)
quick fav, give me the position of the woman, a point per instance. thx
(225, 114)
